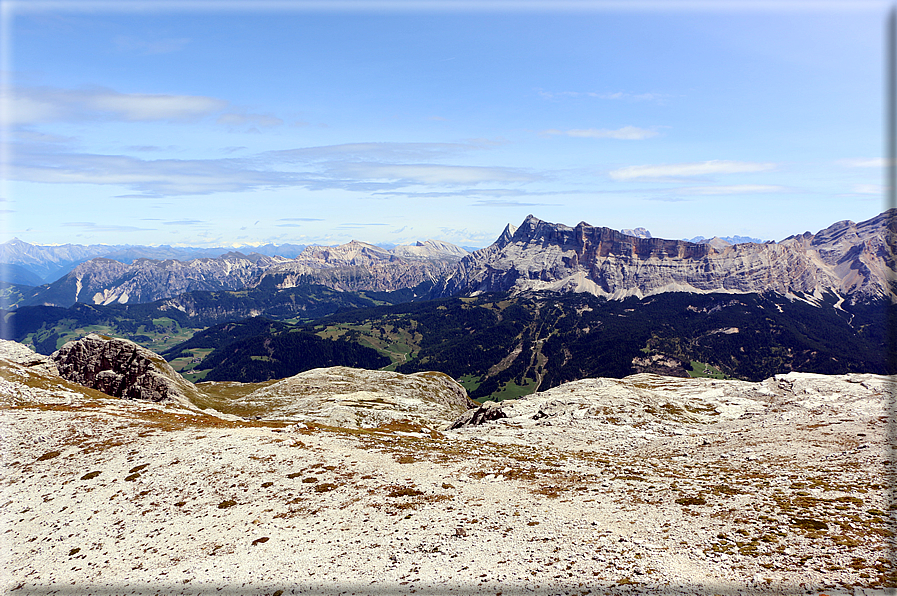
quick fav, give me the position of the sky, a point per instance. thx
(237, 123)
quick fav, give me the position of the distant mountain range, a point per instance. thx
(644, 233)
(354, 266)
(853, 261)
(544, 304)
(34, 264)
(726, 239)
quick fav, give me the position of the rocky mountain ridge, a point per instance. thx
(40, 264)
(855, 261)
(353, 266)
(357, 266)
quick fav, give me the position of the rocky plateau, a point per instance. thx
(642, 485)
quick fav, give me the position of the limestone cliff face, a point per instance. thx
(121, 368)
(853, 260)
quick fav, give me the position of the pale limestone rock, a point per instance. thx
(350, 398)
(26, 357)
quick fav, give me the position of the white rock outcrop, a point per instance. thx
(352, 398)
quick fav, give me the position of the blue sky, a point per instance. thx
(227, 123)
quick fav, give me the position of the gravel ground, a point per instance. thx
(775, 495)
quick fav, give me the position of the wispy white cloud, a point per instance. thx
(234, 119)
(864, 162)
(374, 152)
(299, 219)
(145, 47)
(44, 104)
(38, 138)
(184, 222)
(316, 168)
(732, 189)
(667, 198)
(500, 203)
(154, 177)
(687, 170)
(869, 189)
(433, 173)
(618, 95)
(627, 133)
(149, 148)
(473, 192)
(355, 226)
(95, 227)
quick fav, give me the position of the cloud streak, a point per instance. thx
(143, 47)
(156, 177)
(41, 105)
(315, 168)
(431, 173)
(617, 95)
(46, 104)
(689, 170)
(865, 162)
(95, 227)
(627, 133)
(732, 189)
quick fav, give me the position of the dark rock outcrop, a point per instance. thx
(490, 410)
(120, 368)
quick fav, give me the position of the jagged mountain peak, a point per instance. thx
(853, 261)
(637, 232)
(716, 242)
(430, 249)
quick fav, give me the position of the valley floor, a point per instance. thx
(101, 496)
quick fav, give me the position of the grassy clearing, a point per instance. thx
(511, 390)
(399, 345)
(470, 382)
(702, 370)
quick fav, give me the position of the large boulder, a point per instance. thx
(121, 368)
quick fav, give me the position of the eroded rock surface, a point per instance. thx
(26, 357)
(120, 368)
(349, 398)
